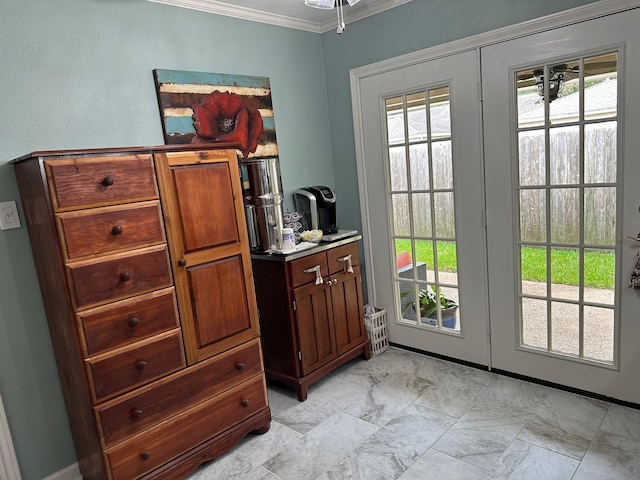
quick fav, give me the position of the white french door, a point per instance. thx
(532, 190)
(562, 192)
(422, 174)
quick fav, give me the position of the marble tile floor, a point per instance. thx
(407, 416)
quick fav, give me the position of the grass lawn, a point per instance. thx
(599, 271)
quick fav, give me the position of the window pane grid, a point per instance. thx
(422, 208)
(567, 208)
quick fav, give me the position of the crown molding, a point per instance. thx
(365, 9)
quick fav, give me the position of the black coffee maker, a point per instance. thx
(317, 205)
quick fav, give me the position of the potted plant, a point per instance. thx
(428, 303)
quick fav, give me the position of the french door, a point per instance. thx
(561, 196)
(423, 177)
(514, 207)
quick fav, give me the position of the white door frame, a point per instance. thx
(568, 17)
(8, 462)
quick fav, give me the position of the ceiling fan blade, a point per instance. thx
(325, 4)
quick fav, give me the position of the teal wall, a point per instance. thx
(77, 74)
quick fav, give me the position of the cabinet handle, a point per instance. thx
(182, 262)
(244, 403)
(240, 366)
(141, 365)
(134, 321)
(315, 269)
(331, 282)
(145, 456)
(116, 230)
(347, 267)
(136, 413)
(125, 276)
(107, 181)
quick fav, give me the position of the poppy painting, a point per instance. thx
(198, 107)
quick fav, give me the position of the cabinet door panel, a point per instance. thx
(219, 299)
(347, 310)
(205, 200)
(315, 326)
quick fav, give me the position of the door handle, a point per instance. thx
(347, 267)
(315, 269)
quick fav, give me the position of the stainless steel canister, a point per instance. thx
(263, 198)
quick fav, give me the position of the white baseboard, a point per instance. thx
(72, 472)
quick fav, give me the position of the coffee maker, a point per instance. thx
(317, 205)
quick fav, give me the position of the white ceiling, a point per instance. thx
(287, 13)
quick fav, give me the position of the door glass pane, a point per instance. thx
(600, 142)
(395, 120)
(440, 113)
(534, 323)
(398, 168)
(564, 155)
(599, 276)
(564, 106)
(567, 182)
(419, 160)
(531, 109)
(417, 116)
(565, 328)
(598, 333)
(400, 215)
(599, 216)
(533, 270)
(565, 218)
(423, 211)
(444, 214)
(565, 273)
(601, 86)
(531, 151)
(442, 165)
(533, 215)
(421, 214)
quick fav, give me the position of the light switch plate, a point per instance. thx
(9, 216)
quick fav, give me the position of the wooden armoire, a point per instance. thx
(143, 261)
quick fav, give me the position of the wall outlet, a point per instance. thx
(9, 216)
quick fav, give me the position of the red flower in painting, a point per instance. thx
(223, 117)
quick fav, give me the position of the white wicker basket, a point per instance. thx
(376, 328)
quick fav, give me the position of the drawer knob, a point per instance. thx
(240, 366)
(141, 365)
(134, 321)
(244, 403)
(136, 413)
(182, 262)
(116, 230)
(145, 456)
(107, 181)
(125, 276)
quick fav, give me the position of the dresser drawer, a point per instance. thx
(154, 447)
(297, 269)
(100, 231)
(119, 276)
(127, 321)
(338, 258)
(136, 365)
(86, 182)
(148, 405)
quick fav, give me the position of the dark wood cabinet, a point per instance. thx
(311, 312)
(145, 270)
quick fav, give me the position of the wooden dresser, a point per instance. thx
(144, 265)
(311, 312)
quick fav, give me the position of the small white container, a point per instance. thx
(288, 240)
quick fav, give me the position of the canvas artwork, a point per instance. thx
(199, 107)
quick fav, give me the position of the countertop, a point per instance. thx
(287, 257)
